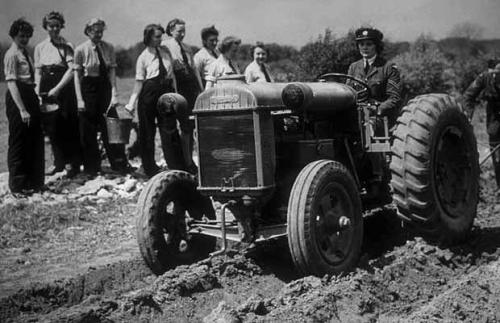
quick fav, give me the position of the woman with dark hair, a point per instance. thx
(53, 78)
(188, 78)
(25, 156)
(384, 87)
(189, 85)
(208, 53)
(95, 87)
(381, 76)
(258, 70)
(154, 76)
(224, 64)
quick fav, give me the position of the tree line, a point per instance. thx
(426, 65)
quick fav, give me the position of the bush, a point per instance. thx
(327, 55)
(424, 69)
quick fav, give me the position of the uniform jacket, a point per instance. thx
(384, 84)
(487, 83)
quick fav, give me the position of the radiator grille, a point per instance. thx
(227, 151)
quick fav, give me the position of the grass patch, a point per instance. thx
(31, 222)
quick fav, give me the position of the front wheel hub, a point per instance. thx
(344, 222)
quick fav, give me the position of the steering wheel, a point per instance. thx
(360, 86)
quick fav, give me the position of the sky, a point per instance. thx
(287, 22)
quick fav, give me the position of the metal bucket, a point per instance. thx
(118, 128)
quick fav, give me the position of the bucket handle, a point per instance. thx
(109, 108)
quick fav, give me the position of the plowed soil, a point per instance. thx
(95, 274)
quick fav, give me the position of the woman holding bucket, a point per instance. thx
(54, 86)
(95, 87)
(154, 76)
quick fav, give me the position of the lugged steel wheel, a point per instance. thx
(435, 168)
(325, 225)
(161, 208)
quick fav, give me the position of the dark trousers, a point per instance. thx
(150, 116)
(61, 126)
(25, 156)
(96, 92)
(187, 86)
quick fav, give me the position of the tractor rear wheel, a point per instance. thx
(435, 168)
(161, 222)
(325, 224)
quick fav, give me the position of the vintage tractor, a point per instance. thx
(296, 160)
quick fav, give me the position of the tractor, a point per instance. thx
(295, 160)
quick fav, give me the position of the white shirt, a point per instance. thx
(369, 60)
(254, 73)
(175, 52)
(16, 67)
(221, 67)
(148, 67)
(203, 59)
(47, 54)
(86, 57)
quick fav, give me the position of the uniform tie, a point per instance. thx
(162, 69)
(264, 70)
(214, 54)
(58, 46)
(32, 73)
(183, 53)
(103, 70)
(367, 66)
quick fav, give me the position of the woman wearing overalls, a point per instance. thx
(189, 85)
(25, 156)
(53, 78)
(95, 87)
(154, 77)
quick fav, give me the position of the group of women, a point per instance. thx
(66, 91)
(79, 84)
(169, 66)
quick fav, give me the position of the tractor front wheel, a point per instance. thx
(325, 224)
(162, 209)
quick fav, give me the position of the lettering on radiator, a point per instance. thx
(229, 154)
(224, 99)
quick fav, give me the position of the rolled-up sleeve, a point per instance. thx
(78, 59)
(140, 69)
(37, 57)
(10, 66)
(70, 54)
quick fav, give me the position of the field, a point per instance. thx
(66, 258)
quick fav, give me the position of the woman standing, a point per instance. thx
(95, 87)
(25, 157)
(258, 70)
(154, 76)
(53, 78)
(208, 53)
(188, 78)
(189, 85)
(224, 64)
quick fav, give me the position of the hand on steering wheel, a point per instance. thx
(360, 86)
